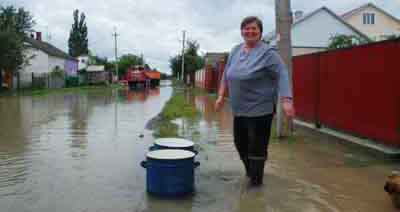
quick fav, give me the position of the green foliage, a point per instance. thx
(175, 108)
(193, 61)
(11, 51)
(14, 26)
(71, 81)
(96, 60)
(175, 65)
(166, 130)
(78, 36)
(164, 76)
(392, 37)
(13, 20)
(128, 61)
(57, 72)
(345, 41)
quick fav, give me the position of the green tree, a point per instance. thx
(11, 51)
(15, 24)
(345, 41)
(175, 65)
(147, 67)
(193, 61)
(16, 20)
(78, 36)
(127, 61)
(164, 76)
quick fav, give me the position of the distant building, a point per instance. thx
(312, 32)
(83, 61)
(96, 74)
(373, 21)
(46, 57)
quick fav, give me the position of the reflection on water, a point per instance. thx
(81, 152)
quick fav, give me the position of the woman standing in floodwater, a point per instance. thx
(254, 75)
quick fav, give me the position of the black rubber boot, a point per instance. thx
(246, 166)
(257, 172)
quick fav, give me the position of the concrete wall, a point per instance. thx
(384, 25)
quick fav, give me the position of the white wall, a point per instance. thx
(82, 65)
(317, 30)
(55, 61)
(39, 63)
(384, 25)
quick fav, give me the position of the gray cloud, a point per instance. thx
(154, 27)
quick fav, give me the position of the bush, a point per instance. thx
(344, 41)
(71, 81)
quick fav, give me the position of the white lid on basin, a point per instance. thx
(170, 154)
(174, 142)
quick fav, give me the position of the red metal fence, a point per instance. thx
(355, 90)
(209, 78)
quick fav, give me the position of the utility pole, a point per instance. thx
(183, 58)
(116, 52)
(283, 34)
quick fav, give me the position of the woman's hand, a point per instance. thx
(219, 103)
(288, 109)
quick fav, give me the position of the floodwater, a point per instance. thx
(80, 151)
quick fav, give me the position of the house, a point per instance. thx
(96, 74)
(44, 58)
(373, 21)
(83, 61)
(47, 57)
(312, 32)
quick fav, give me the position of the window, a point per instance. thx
(369, 18)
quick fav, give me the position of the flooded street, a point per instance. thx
(80, 151)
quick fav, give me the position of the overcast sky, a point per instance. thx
(154, 27)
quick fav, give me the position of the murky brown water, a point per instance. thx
(81, 152)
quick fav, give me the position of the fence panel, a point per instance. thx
(357, 90)
(305, 82)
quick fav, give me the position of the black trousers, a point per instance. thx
(251, 138)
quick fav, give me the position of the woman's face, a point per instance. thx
(251, 33)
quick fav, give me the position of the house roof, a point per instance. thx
(95, 68)
(270, 36)
(48, 48)
(361, 8)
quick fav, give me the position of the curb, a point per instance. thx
(368, 144)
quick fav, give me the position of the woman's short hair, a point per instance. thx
(251, 19)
